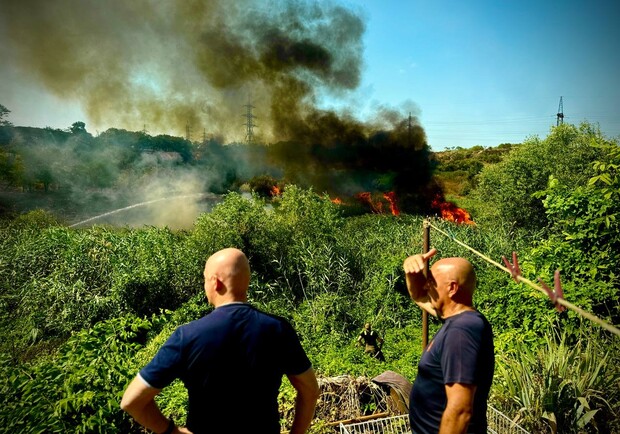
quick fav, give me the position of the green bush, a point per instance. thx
(507, 189)
(56, 280)
(569, 384)
(79, 388)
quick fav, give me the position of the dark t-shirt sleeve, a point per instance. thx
(460, 357)
(165, 366)
(295, 359)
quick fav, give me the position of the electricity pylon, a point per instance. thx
(249, 122)
(560, 115)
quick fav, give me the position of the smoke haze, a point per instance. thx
(165, 65)
(169, 64)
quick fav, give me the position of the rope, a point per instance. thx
(528, 282)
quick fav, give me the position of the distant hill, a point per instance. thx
(456, 168)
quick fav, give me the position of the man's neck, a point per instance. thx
(226, 301)
(456, 309)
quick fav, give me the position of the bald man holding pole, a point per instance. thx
(231, 361)
(455, 372)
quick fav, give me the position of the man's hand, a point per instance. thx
(139, 401)
(415, 276)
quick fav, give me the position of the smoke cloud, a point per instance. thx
(169, 64)
(165, 65)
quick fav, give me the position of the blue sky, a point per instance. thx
(474, 72)
(490, 72)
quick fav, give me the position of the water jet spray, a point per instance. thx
(149, 202)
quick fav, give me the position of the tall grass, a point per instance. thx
(567, 385)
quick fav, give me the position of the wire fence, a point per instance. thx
(391, 425)
(498, 423)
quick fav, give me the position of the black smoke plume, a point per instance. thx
(165, 65)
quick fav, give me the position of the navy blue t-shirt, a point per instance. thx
(231, 362)
(461, 352)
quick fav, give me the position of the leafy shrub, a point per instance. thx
(584, 236)
(568, 384)
(57, 280)
(508, 188)
(79, 389)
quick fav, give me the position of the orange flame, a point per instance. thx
(366, 198)
(449, 211)
(275, 191)
(337, 201)
(376, 206)
(390, 196)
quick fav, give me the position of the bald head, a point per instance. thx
(458, 270)
(227, 276)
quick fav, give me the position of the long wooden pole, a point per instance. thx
(425, 248)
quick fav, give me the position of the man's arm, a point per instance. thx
(307, 394)
(459, 408)
(139, 401)
(415, 277)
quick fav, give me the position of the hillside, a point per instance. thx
(456, 168)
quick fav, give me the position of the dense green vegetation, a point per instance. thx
(82, 310)
(78, 175)
(457, 168)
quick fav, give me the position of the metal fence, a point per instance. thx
(391, 425)
(498, 423)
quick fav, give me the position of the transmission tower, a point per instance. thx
(249, 122)
(560, 114)
(188, 132)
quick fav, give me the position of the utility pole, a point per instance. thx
(409, 131)
(249, 122)
(560, 115)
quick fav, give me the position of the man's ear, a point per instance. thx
(454, 289)
(218, 284)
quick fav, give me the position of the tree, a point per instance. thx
(11, 169)
(78, 127)
(4, 112)
(511, 189)
(584, 234)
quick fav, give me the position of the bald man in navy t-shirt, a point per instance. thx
(455, 372)
(231, 362)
